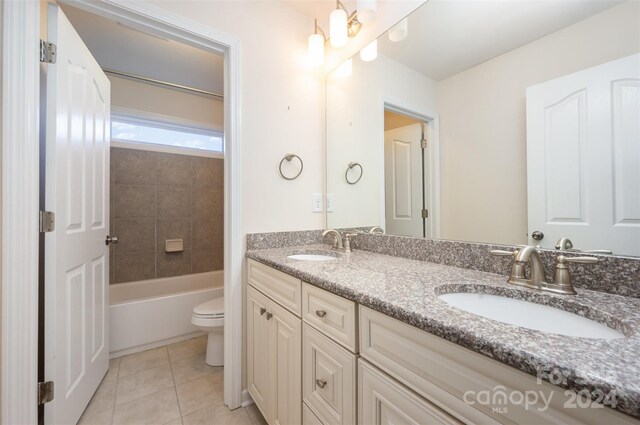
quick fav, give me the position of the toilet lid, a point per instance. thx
(215, 307)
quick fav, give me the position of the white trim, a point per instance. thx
(128, 144)
(20, 188)
(161, 118)
(246, 398)
(159, 21)
(155, 344)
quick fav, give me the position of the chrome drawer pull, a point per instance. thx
(321, 313)
(269, 316)
(321, 383)
(262, 311)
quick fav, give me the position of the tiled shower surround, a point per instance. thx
(158, 196)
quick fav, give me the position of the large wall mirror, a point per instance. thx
(513, 122)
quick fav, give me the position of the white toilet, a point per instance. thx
(209, 317)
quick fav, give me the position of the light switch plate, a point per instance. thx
(316, 205)
(329, 202)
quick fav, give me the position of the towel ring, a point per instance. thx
(350, 167)
(289, 157)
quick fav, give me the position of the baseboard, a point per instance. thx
(246, 398)
(156, 344)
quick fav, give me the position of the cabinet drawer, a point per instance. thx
(328, 378)
(308, 417)
(384, 401)
(333, 315)
(284, 289)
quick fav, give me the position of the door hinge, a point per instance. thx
(425, 213)
(47, 221)
(423, 143)
(45, 392)
(47, 52)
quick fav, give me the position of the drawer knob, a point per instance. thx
(262, 311)
(321, 313)
(321, 383)
(269, 316)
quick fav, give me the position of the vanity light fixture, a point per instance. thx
(369, 52)
(316, 46)
(400, 31)
(342, 26)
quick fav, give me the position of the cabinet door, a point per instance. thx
(329, 378)
(285, 351)
(258, 369)
(383, 401)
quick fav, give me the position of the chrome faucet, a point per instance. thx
(376, 230)
(529, 255)
(564, 244)
(337, 238)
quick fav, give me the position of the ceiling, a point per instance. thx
(449, 36)
(127, 49)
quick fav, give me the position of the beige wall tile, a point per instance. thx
(173, 202)
(133, 201)
(134, 234)
(174, 170)
(159, 408)
(208, 172)
(133, 267)
(205, 261)
(173, 228)
(173, 263)
(131, 166)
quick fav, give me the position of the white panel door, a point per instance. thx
(403, 180)
(77, 190)
(583, 158)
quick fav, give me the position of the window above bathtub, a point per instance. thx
(162, 134)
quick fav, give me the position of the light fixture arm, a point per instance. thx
(353, 24)
(318, 30)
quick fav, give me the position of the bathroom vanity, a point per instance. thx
(364, 338)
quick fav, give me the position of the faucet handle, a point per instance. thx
(347, 241)
(581, 260)
(561, 278)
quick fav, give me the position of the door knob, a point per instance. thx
(321, 383)
(262, 311)
(269, 316)
(537, 235)
(111, 240)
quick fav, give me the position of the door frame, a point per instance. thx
(20, 193)
(432, 159)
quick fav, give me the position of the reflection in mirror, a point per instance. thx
(501, 122)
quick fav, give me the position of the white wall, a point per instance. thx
(282, 108)
(483, 128)
(202, 110)
(355, 132)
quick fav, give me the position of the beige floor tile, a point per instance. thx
(175, 422)
(114, 363)
(256, 415)
(107, 387)
(201, 392)
(192, 368)
(100, 418)
(143, 383)
(154, 409)
(138, 362)
(99, 404)
(187, 349)
(217, 415)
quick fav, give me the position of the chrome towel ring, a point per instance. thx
(290, 157)
(349, 168)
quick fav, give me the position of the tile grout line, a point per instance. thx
(175, 387)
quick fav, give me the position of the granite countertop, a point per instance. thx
(408, 290)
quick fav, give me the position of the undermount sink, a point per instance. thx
(311, 257)
(529, 315)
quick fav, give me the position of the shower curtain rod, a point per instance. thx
(161, 83)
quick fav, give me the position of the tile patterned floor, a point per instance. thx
(168, 385)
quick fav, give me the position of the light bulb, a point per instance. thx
(369, 52)
(345, 69)
(400, 31)
(315, 50)
(338, 30)
(366, 10)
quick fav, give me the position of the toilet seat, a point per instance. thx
(213, 309)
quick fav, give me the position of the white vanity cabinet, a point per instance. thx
(274, 344)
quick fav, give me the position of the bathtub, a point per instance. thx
(152, 313)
